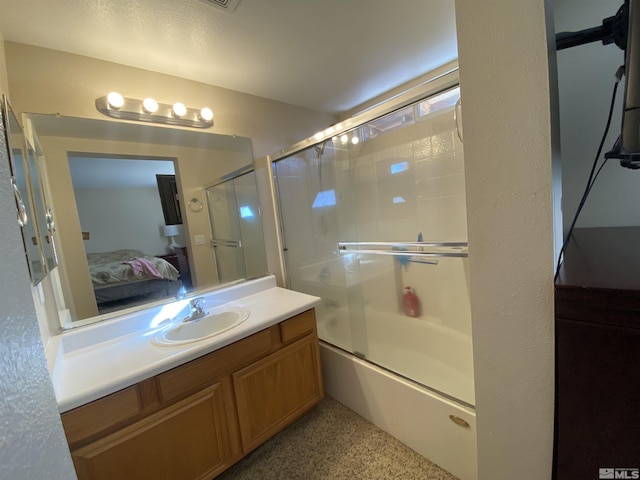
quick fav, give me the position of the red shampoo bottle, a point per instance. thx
(410, 303)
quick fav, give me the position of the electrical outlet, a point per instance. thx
(198, 239)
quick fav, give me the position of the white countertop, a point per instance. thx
(102, 358)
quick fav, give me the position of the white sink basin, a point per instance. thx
(214, 323)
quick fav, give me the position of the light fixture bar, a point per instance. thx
(133, 109)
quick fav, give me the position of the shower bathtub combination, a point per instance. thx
(373, 221)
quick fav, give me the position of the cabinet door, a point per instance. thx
(188, 440)
(277, 390)
(598, 406)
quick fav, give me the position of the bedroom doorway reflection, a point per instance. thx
(134, 256)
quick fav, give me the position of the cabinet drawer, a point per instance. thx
(100, 415)
(204, 371)
(298, 326)
(187, 440)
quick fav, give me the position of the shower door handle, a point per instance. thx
(226, 243)
(407, 249)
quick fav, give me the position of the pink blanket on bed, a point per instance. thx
(139, 265)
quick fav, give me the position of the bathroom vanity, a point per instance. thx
(194, 419)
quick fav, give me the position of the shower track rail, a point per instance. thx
(407, 249)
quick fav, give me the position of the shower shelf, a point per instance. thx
(407, 249)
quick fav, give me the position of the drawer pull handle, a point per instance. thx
(459, 421)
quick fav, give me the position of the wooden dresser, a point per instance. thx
(597, 303)
(180, 260)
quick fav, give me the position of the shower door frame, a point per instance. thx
(436, 85)
(228, 243)
(418, 252)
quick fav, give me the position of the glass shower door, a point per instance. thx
(375, 224)
(251, 235)
(225, 229)
(316, 213)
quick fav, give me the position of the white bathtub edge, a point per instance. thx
(414, 415)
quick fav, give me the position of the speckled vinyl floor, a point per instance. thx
(333, 443)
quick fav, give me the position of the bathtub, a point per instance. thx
(408, 375)
(417, 415)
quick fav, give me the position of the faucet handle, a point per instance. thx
(197, 309)
(197, 303)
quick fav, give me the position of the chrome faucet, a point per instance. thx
(197, 310)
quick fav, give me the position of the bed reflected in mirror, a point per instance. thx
(122, 218)
(117, 246)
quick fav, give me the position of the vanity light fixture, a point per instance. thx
(206, 114)
(115, 100)
(149, 110)
(150, 105)
(179, 110)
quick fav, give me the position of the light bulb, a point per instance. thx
(355, 140)
(206, 114)
(115, 100)
(150, 105)
(344, 138)
(179, 110)
(318, 135)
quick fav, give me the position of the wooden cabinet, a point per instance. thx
(196, 420)
(186, 440)
(598, 354)
(275, 391)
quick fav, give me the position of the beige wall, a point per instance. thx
(509, 125)
(50, 81)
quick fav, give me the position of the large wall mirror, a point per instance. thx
(115, 247)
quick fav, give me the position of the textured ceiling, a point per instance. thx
(327, 55)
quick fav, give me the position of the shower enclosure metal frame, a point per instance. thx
(426, 418)
(430, 253)
(237, 241)
(436, 85)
